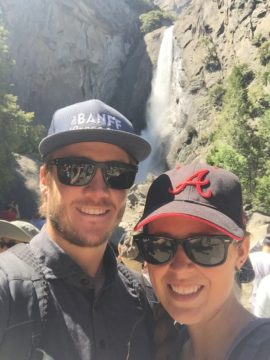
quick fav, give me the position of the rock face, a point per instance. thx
(230, 26)
(172, 5)
(25, 187)
(68, 50)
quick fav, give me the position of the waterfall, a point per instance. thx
(156, 108)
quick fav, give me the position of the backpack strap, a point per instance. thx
(23, 252)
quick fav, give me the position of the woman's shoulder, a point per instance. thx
(253, 342)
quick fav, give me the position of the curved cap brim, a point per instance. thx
(200, 213)
(131, 143)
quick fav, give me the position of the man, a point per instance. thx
(11, 212)
(94, 311)
(14, 232)
(261, 264)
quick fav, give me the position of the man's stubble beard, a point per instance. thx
(57, 216)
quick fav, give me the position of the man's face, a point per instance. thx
(84, 215)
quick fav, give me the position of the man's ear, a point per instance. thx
(243, 251)
(43, 180)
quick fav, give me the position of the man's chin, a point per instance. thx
(92, 242)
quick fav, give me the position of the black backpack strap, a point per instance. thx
(23, 252)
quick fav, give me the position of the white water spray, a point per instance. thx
(156, 108)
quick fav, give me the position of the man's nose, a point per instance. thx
(98, 183)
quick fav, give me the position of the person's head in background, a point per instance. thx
(193, 240)
(15, 232)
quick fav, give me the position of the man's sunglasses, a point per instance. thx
(74, 171)
(204, 250)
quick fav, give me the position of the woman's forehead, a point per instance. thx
(181, 225)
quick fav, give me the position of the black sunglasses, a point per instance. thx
(204, 250)
(75, 171)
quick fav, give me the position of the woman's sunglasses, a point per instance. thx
(204, 250)
(74, 171)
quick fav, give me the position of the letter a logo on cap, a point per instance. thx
(194, 180)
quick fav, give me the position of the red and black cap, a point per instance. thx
(208, 194)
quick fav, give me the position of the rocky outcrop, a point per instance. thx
(68, 50)
(135, 84)
(24, 187)
(230, 28)
(174, 6)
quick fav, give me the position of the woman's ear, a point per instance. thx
(242, 251)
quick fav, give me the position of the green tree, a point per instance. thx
(153, 20)
(6, 64)
(242, 132)
(17, 134)
(262, 194)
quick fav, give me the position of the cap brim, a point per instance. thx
(131, 143)
(201, 213)
(11, 231)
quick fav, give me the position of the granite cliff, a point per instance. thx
(230, 28)
(68, 51)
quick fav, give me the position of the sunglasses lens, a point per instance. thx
(206, 250)
(75, 172)
(156, 250)
(120, 176)
(79, 172)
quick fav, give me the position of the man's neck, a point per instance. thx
(90, 259)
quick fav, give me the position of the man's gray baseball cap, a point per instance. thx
(93, 120)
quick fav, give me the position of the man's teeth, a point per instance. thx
(185, 290)
(92, 211)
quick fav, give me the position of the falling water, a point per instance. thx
(156, 108)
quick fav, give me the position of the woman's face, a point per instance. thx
(191, 293)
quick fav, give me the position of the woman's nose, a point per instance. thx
(180, 259)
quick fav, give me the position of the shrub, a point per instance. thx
(262, 194)
(216, 95)
(153, 20)
(211, 60)
(264, 53)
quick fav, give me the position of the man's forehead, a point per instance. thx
(86, 149)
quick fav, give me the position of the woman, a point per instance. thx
(193, 240)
